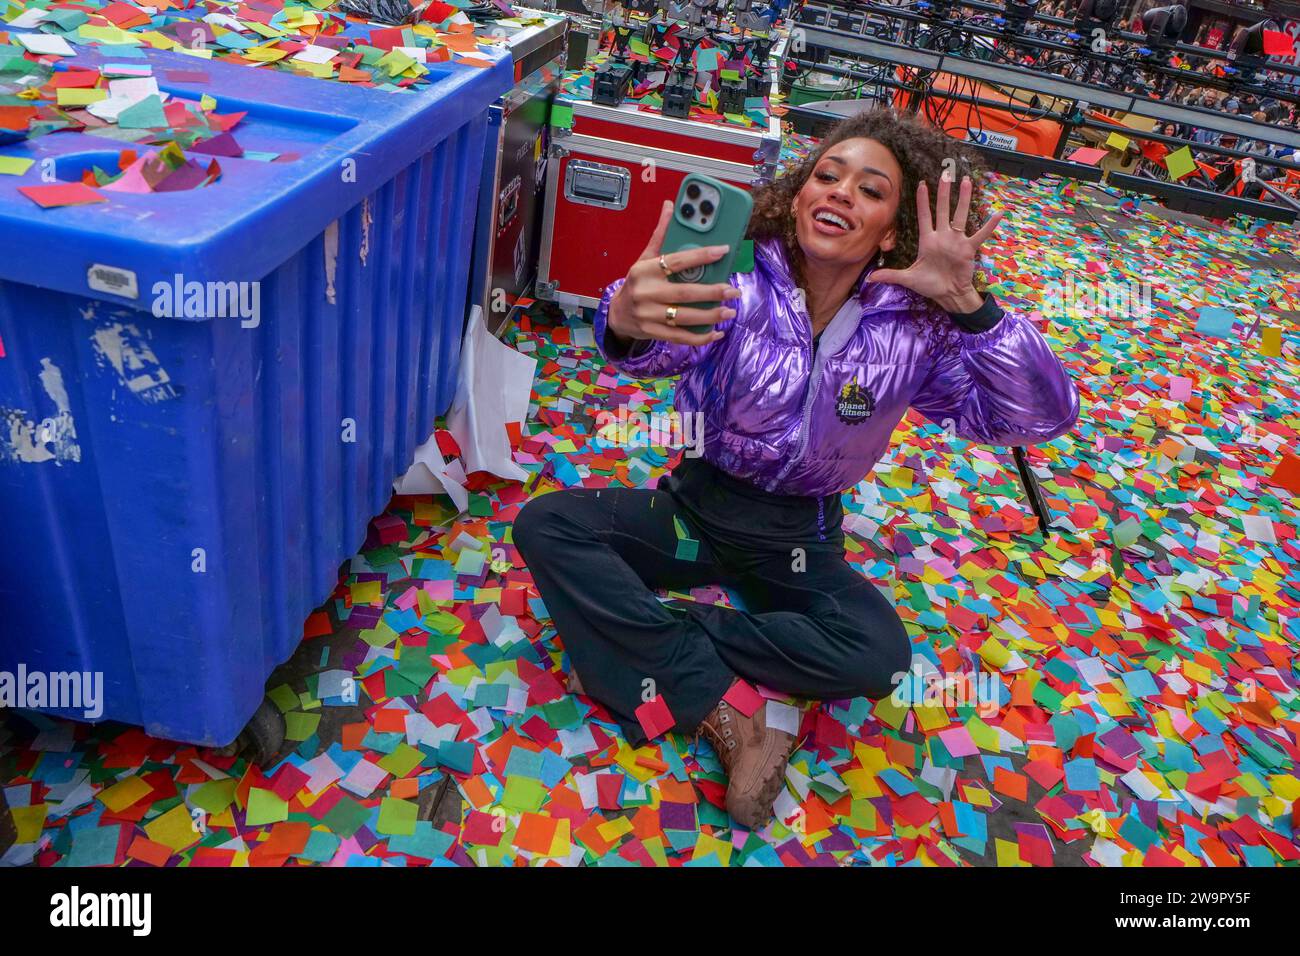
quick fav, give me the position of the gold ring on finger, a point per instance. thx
(664, 265)
(670, 315)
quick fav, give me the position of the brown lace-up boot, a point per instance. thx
(754, 757)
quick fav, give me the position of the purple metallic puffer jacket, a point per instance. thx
(797, 423)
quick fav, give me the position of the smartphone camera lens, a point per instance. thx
(706, 208)
(693, 191)
(688, 211)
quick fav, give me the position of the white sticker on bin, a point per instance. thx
(113, 281)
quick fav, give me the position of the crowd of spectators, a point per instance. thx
(1224, 171)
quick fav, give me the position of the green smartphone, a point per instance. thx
(707, 213)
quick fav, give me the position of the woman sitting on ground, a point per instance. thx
(862, 303)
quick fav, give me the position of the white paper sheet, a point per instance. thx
(493, 390)
(29, 19)
(316, 54)
(44, 43)
(430, 475)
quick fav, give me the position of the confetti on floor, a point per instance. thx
(1123, 693)
(320, 39)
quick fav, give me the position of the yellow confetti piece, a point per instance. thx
(994, 654)
(321, 71)
(124, 793)
(1285, 786)
(111, 34)
(262, 29)
(264, 54)
(156, 40)
(1008, 853)
(175, 829)
(707, 844)
(29, 821)
(890, 712)
(931, 716)
(1115, 705)
(862, 784)
(611, 830)
(80, 96)
(985, 737)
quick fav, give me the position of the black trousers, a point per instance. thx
(812, 627)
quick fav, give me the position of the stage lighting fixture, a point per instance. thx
(1247, 51)
(1164, 25)
(1016, 14)
(1095, 13)
(1250, 41)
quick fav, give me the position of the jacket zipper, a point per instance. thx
(805, 418)
(804, 421)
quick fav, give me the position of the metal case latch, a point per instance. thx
(597, 184)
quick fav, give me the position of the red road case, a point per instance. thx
(610, 173)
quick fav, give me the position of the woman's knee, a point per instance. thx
(536, 518)
(878, 665)
(548, 517)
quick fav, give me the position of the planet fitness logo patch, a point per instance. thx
(854, 404)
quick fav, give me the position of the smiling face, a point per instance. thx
(846, 210)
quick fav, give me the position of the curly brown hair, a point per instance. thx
(920, 149)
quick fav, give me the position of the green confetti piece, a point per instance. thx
(1126, 533)
(562, 116)
(744, 261)
(213, 796)
(402, 760)
(346, 817)
(523, 795)
(265, 807)
(283, 697)
(299, 726)
(397, 817)
(397, 685)
(1050, 699)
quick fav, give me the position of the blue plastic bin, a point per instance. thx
(176, 495)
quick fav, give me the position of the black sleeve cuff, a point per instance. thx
(620, 350)
(982, 319)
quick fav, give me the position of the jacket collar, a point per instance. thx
(769, 255)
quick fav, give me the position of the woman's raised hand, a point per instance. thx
(944, 269)
(641, 308)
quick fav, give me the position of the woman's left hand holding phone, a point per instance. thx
(650, 306)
